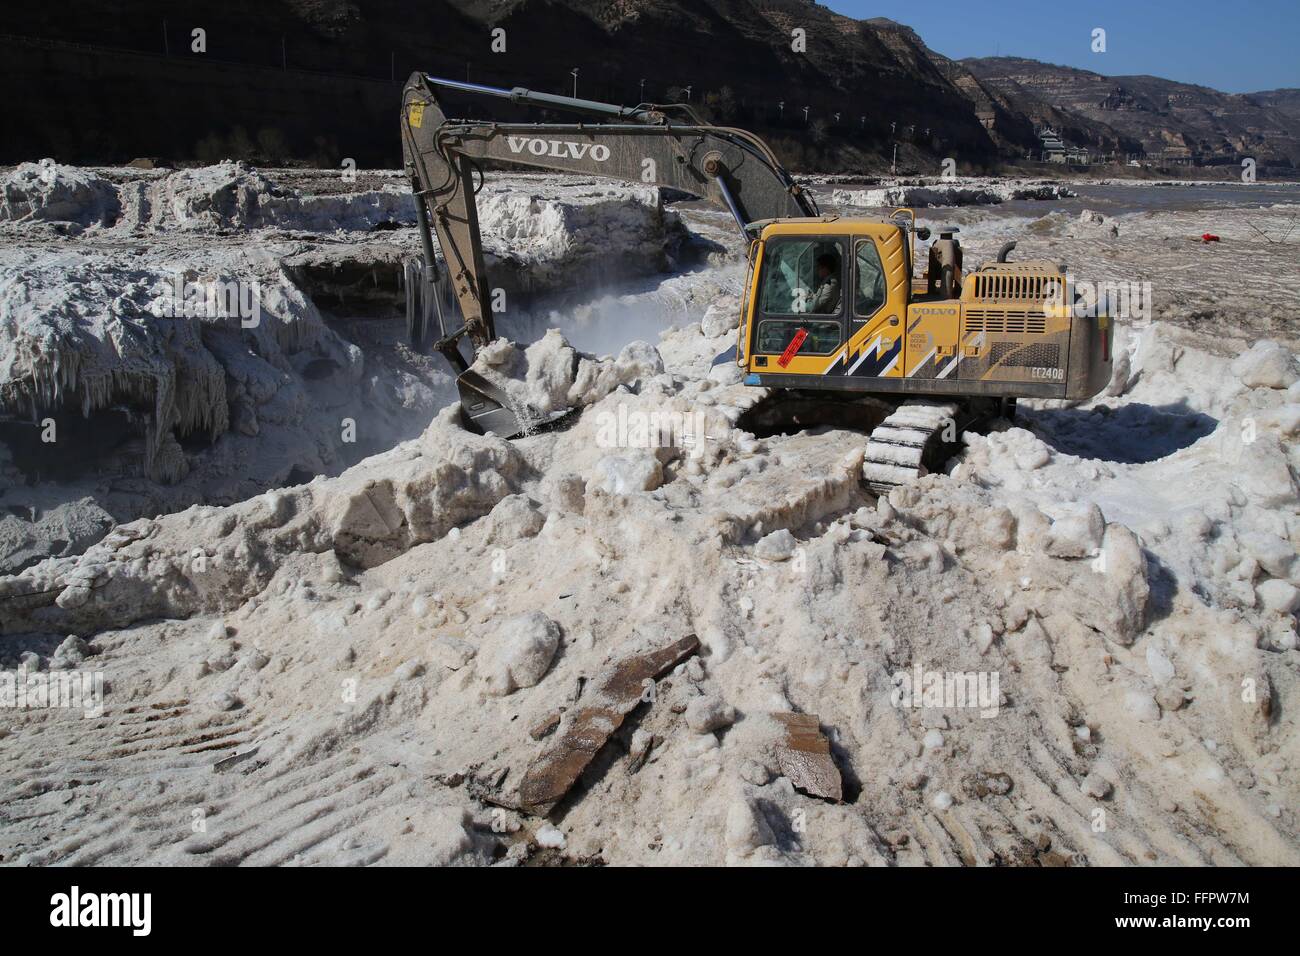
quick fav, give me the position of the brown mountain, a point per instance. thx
(317, 80)
(1286, 101)
(1163, 116)
(313, 78)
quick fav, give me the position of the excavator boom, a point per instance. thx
(642, 144)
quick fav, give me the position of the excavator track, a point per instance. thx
(908, 444)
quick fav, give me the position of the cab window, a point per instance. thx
(803, 276)
(869, 286)
(803, 279)
(775, 334)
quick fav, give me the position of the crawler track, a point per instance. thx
(909, 443)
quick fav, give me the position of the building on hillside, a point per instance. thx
(1056, 150)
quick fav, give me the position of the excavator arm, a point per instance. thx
(643, 144)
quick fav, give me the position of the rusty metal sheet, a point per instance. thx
(805, 757)
(585, 731)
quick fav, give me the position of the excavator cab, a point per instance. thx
(994, 333)
(827, 298)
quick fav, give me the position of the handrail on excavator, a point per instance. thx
(520, 94)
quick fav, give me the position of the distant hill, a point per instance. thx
(1162, 116)
(1284, 101)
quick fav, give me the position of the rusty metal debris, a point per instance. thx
(585, 731)
(550, 720)
(805, 757)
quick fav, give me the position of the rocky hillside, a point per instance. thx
(1163, 116)
(315, 80)
(863, 84)
(1284, 101)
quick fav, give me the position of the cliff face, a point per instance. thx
(1162, 116)
(863, 84)
(317, 80)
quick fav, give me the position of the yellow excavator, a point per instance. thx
(832, 319)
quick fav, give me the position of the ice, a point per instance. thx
(388, 634)
(948, 192)
(519, 654)
(222, 405)
(50, 192)
(1266, 365)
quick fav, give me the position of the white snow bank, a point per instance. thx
(100, 330)
(587, 233)
(973, 193)
(234, 195)
(51, 192)
(550, 376)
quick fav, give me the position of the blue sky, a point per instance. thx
(1238, 46)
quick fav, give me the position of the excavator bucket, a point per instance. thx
(485, 407)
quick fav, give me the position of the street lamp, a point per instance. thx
(688, 94)
(805, 115)
(641, 95)
(574, 71)
(864, 121)
(780, 109)
(837, 117)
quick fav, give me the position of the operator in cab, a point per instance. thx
(826, 300)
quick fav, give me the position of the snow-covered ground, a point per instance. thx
(956, 191)
(371, 667)
(203, 335)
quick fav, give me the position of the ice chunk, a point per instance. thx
(1266, 365)
(777, 546)
(627, 474)
(519, 653)
(1280, 596)
(50, 192)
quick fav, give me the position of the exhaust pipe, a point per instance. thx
(1006, 250)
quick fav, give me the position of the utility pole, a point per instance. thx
(574, 71)
(284, 55)
(166, 47)
(893, 166)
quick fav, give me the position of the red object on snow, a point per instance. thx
(792, 348)
(1209, 237)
